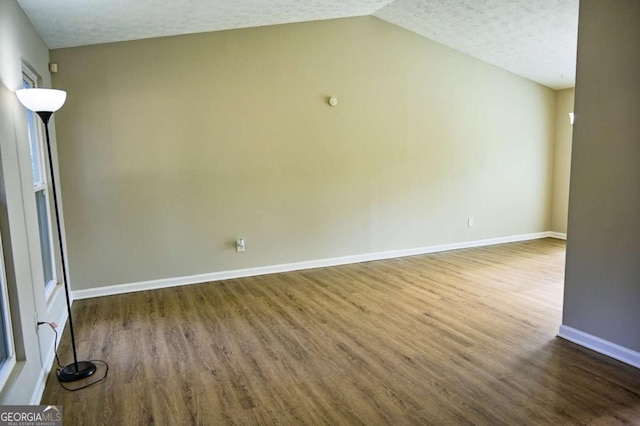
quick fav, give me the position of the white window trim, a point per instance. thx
(53, 284)
(8, 365)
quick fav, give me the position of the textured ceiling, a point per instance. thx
(536, 39)
(532, 38)
(66, 23)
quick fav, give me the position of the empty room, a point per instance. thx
(280, 212)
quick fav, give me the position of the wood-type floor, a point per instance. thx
(459, 337)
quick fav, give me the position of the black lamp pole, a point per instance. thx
(79, 369)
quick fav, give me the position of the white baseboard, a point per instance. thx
(288, 267)
(48, 363)
(39, 390)
(558, 235)
(599, 345)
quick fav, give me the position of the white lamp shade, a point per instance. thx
(39, 100)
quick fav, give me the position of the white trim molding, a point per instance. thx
(288, 267)
(599, 345)
(48, 363)
(558, 235)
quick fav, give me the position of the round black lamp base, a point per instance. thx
(71, 374)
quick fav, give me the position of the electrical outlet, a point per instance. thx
(470, 222)
(240, 245)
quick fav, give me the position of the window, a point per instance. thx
(41, 189)
(7, 355)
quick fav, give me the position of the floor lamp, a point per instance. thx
(45, 102)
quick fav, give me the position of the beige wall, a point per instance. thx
(172, 148)
(602, 286)
(21, 46)
(562, 161)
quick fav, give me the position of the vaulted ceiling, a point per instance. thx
(535, 39)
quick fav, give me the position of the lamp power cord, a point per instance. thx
(53, 327)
